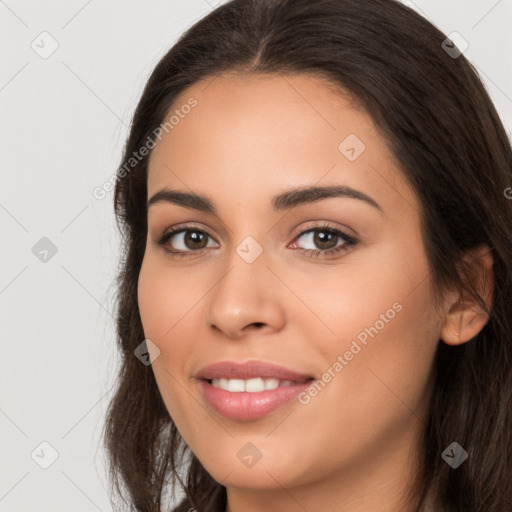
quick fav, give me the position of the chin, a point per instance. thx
(234, 468)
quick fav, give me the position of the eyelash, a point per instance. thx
(313, 253)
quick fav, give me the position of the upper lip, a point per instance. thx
(249, 370)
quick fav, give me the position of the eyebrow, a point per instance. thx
(284, 201)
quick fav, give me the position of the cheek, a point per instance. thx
(165, 299)
(163, 305)
(397, 328)
(382, 386)
(379, 312)
(377, 292)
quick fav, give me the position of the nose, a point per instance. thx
(246, 299)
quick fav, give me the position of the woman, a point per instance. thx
(315, 291)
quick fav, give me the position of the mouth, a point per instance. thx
(250, 390)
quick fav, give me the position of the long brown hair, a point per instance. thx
(443, 129)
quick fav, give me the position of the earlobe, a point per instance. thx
(465, 317)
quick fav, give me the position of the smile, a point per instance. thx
(250, 390)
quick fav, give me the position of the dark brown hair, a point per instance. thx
(444, 131)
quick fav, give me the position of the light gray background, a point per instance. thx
(64, 121)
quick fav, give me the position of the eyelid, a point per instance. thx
(327, 225)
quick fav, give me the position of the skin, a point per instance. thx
(352, 447)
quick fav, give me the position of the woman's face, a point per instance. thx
(355, 314)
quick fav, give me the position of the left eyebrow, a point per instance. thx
(296, 197)
(284, 201)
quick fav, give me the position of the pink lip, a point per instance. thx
(249, 370)
(245, 405)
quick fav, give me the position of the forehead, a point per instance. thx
(255, 134)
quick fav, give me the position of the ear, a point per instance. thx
(465, 317)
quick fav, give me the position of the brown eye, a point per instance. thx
(194, 239)
(185, 240)
(326, 241)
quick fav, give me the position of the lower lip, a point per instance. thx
(249, 406)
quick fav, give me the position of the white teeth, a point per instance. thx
(271, 383)
(236, 385)
(256, 384)
(250, 385)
